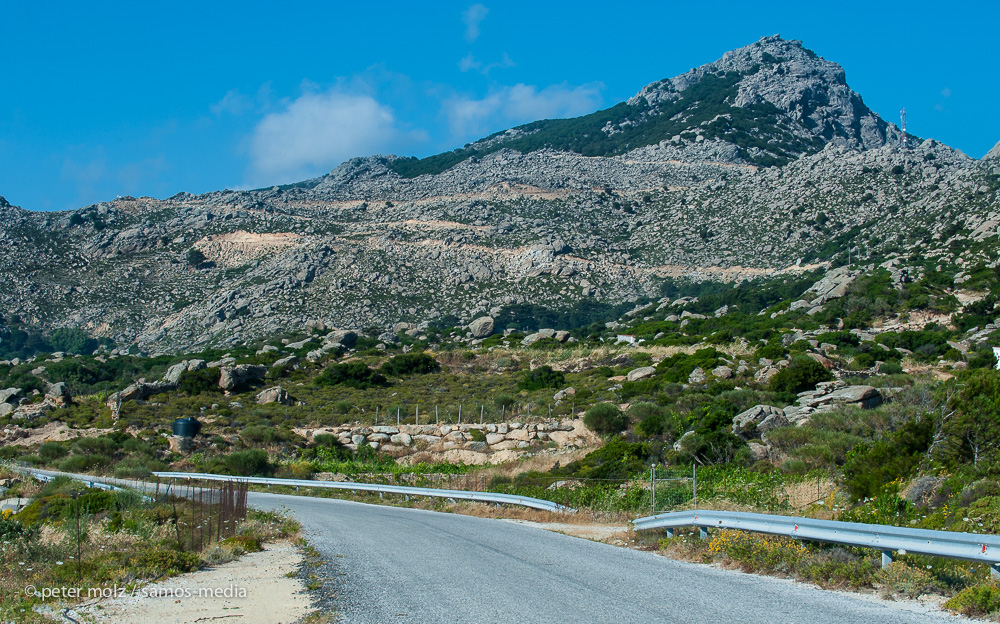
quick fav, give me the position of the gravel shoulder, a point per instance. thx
(255, 589)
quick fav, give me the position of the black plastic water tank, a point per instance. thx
(187, 427)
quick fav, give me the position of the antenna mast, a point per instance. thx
(902, 126)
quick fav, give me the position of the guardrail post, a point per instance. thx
(886, 558)
(703, 532)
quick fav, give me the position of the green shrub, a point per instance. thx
(410, 364)
(771, 351)
(246, 543)
(195, 257)
(542, 377)
(801, 374)
(164, 561)
(504, 400)
(890, 368)
(872, 465)
(203, 381)
(605, 419)
(351, 374)
(477, 435)
(252, 463)
(976, 601)
(51, 451)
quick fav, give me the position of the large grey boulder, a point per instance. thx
(58, 394)
(828, 395)
(10, 395)
(722, 372)
(758, 420)
(640, 373)
(481, 327)
(865, 397)
(173, 374)
(290, 360)
(541, 334)
(697, 376)
(276, 394)
(343, 337)
(232, 377)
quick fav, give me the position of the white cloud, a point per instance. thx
(317, 131)
(473, 17)
(471, 118)
(470, 62)
(234, 103)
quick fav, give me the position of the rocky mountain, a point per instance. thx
(993, 154)
(759, 164)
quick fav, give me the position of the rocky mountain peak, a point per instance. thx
(993, 154)
(780, 78)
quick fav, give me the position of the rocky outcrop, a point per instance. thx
(832, 394)
(758, 420)
(173, 374)
(137, 391)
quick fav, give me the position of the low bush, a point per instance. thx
(605, 419)
(802, 373)
(542, 377)
(351, 374)
(976, 601)
(410, 364)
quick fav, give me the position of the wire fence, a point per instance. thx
(214, 511)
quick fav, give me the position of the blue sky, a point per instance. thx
(101, 99)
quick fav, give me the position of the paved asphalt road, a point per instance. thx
(399, 565)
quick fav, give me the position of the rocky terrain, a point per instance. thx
(762, 163)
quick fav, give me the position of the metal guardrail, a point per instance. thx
(978, 547)
(88, 480)
(485, 497)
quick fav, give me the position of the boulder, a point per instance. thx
(233, 377)
(289, 361)
(563, 394)
(640, 373)
(865, 397)
(679, 444)
(758, 420)
(173, 374)
(402, 439)
(276, 394)
(722, 372)
(58, 394)
(343, 337)
(822, 359)
(561, 336)
(482, 327)
(697, 376)
(10, 395)
(759, 451)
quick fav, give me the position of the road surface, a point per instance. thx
(396, 565)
